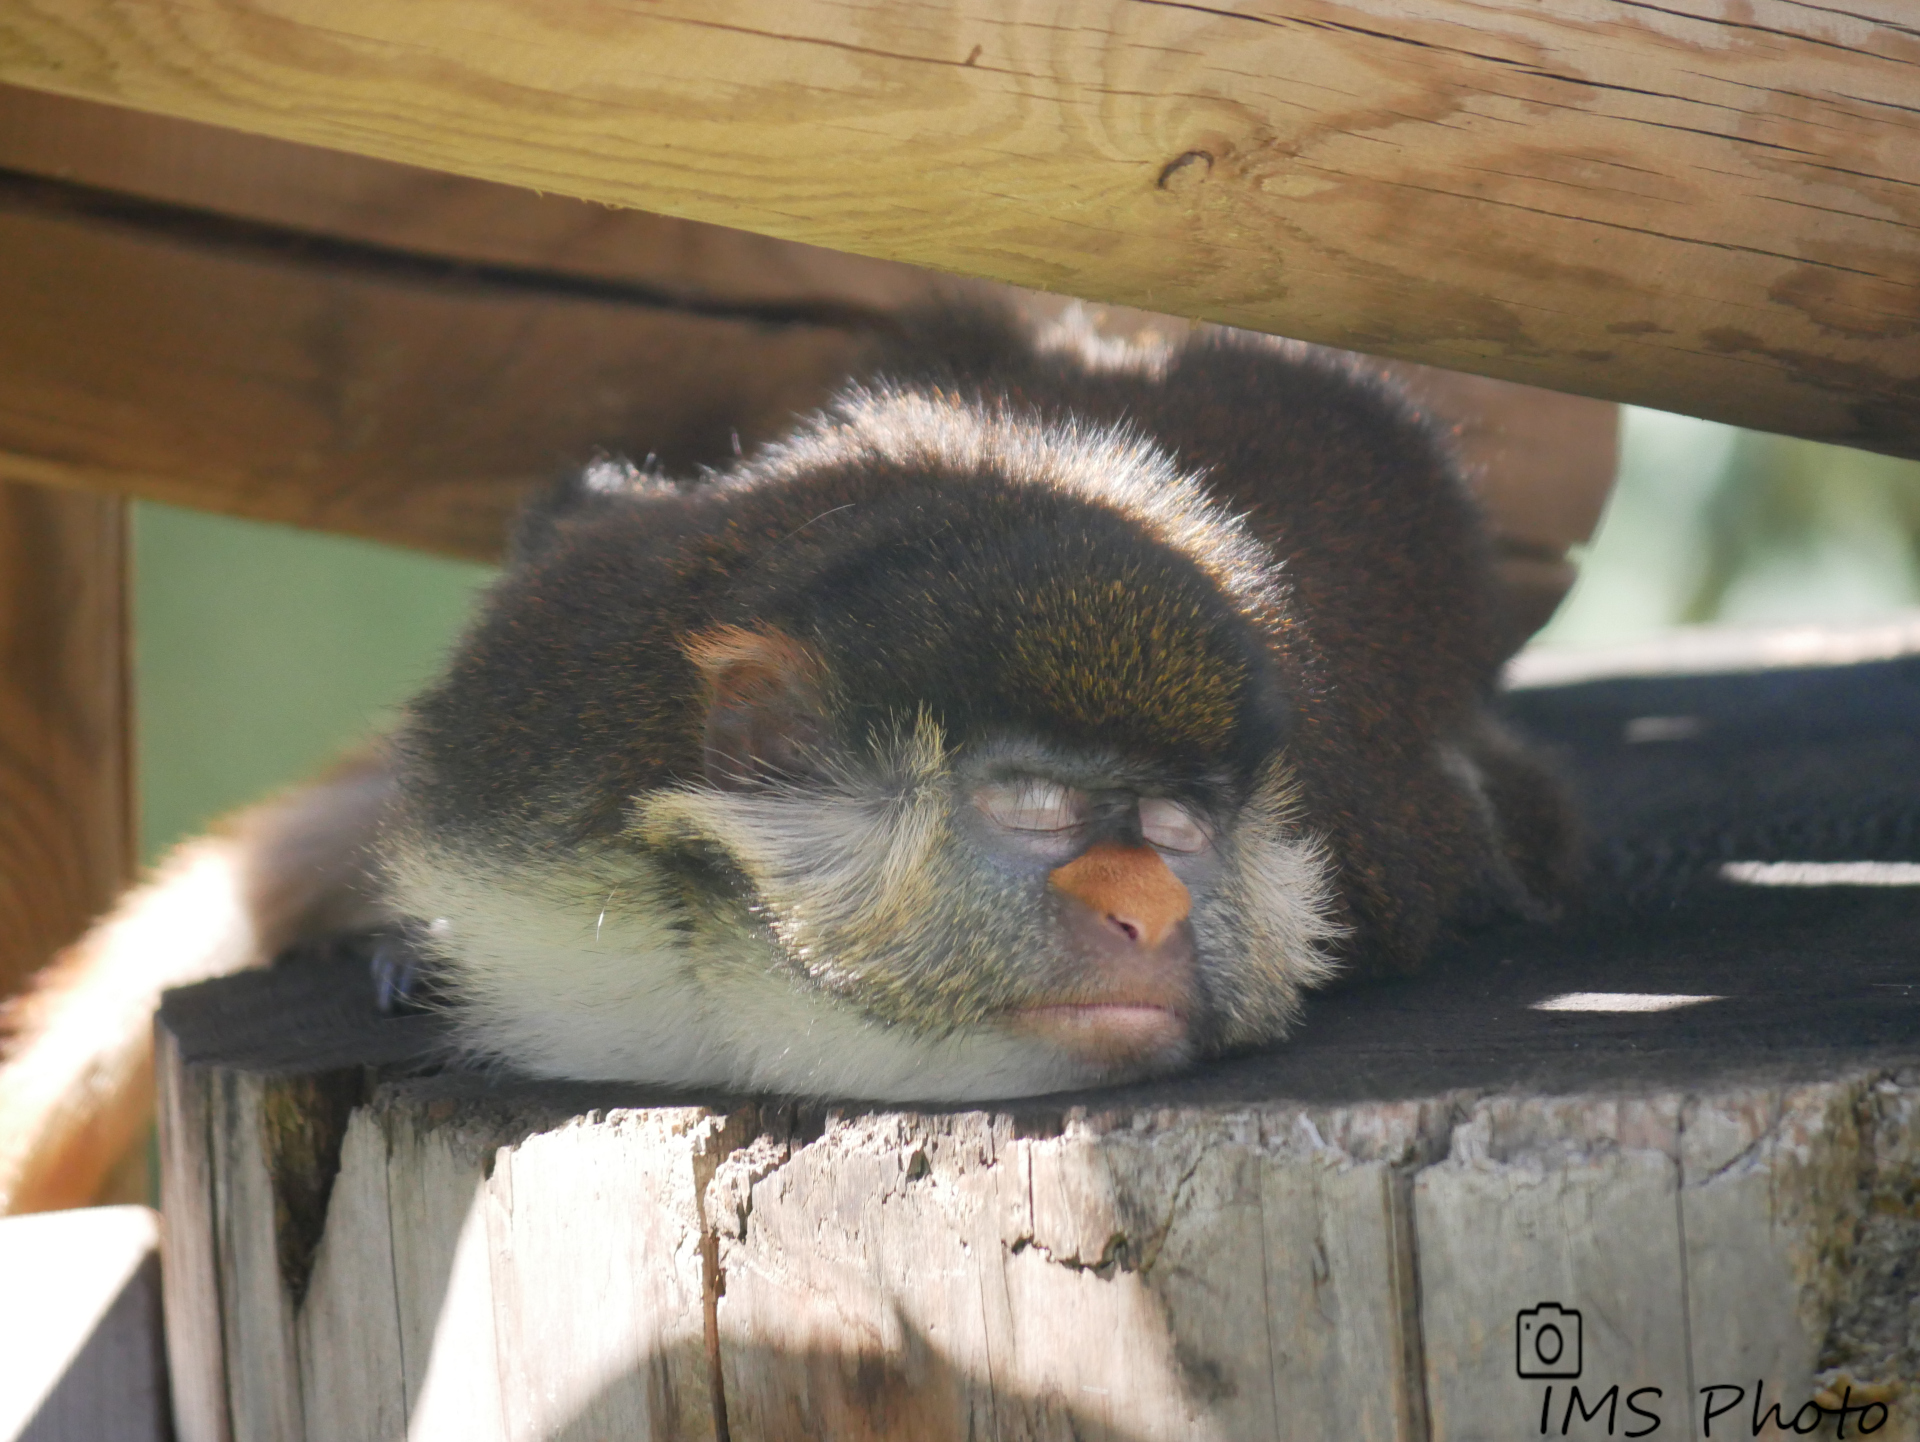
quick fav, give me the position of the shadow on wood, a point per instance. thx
(1208, 1257)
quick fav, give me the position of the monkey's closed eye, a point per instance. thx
(1030, 804)
(1171, 827)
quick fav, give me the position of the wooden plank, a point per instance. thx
(257, 1305)
(348, 1334)
(330, 193)
(66, 823)
(1699, 208)
(227, 321)
(1543, 461)
(936, 1276)
(80, 1331)
(1333, 1206)
(1783, 1164)
(1697, 1233)
(250, 1158)
(594, 1237)
(66, 832)
(354, 402)
(439, 1155)
(1565, 1207)
(291, 334)
(390, 409)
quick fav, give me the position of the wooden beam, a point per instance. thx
(66, 805)
(685, 332)
(1702, 207)
(318, 193)
(238, 324)
(382, 394)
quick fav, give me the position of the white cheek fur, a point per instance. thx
(584, 966)
(579, 974)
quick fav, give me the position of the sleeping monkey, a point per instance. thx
(1044, 712)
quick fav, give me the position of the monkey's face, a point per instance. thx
(1078, 915)
(1174, 925)
(1117, 987)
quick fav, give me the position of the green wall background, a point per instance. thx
(262, 651)
(1712, 524)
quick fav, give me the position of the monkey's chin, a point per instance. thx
(1117, 1037)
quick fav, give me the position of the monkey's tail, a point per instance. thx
(76, 1076)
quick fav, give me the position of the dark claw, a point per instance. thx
(396, 968)
(402, 965)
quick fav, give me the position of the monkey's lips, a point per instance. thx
(1107, 1033)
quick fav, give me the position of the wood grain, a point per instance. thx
(222, 320)
(66, 830)
(366, 403)
(196, 1357)
(1202, 1258)
(317, 192)
(1706, 207)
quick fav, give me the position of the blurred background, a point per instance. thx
(262, 651)
(1708, 523)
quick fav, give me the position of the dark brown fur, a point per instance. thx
(575, 692)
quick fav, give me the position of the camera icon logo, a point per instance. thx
(1546, 1340)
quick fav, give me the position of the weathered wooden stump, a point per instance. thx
(1332, 1239)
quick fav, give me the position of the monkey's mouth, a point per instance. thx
(1108, 1033)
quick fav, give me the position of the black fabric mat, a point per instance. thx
(1821, 764)
(1802, 765)
(1813, 765)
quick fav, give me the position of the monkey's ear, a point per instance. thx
(766, 706)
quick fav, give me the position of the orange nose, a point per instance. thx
(1130, 885)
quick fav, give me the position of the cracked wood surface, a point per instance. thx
(1704, 206)
(1206, 1257)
